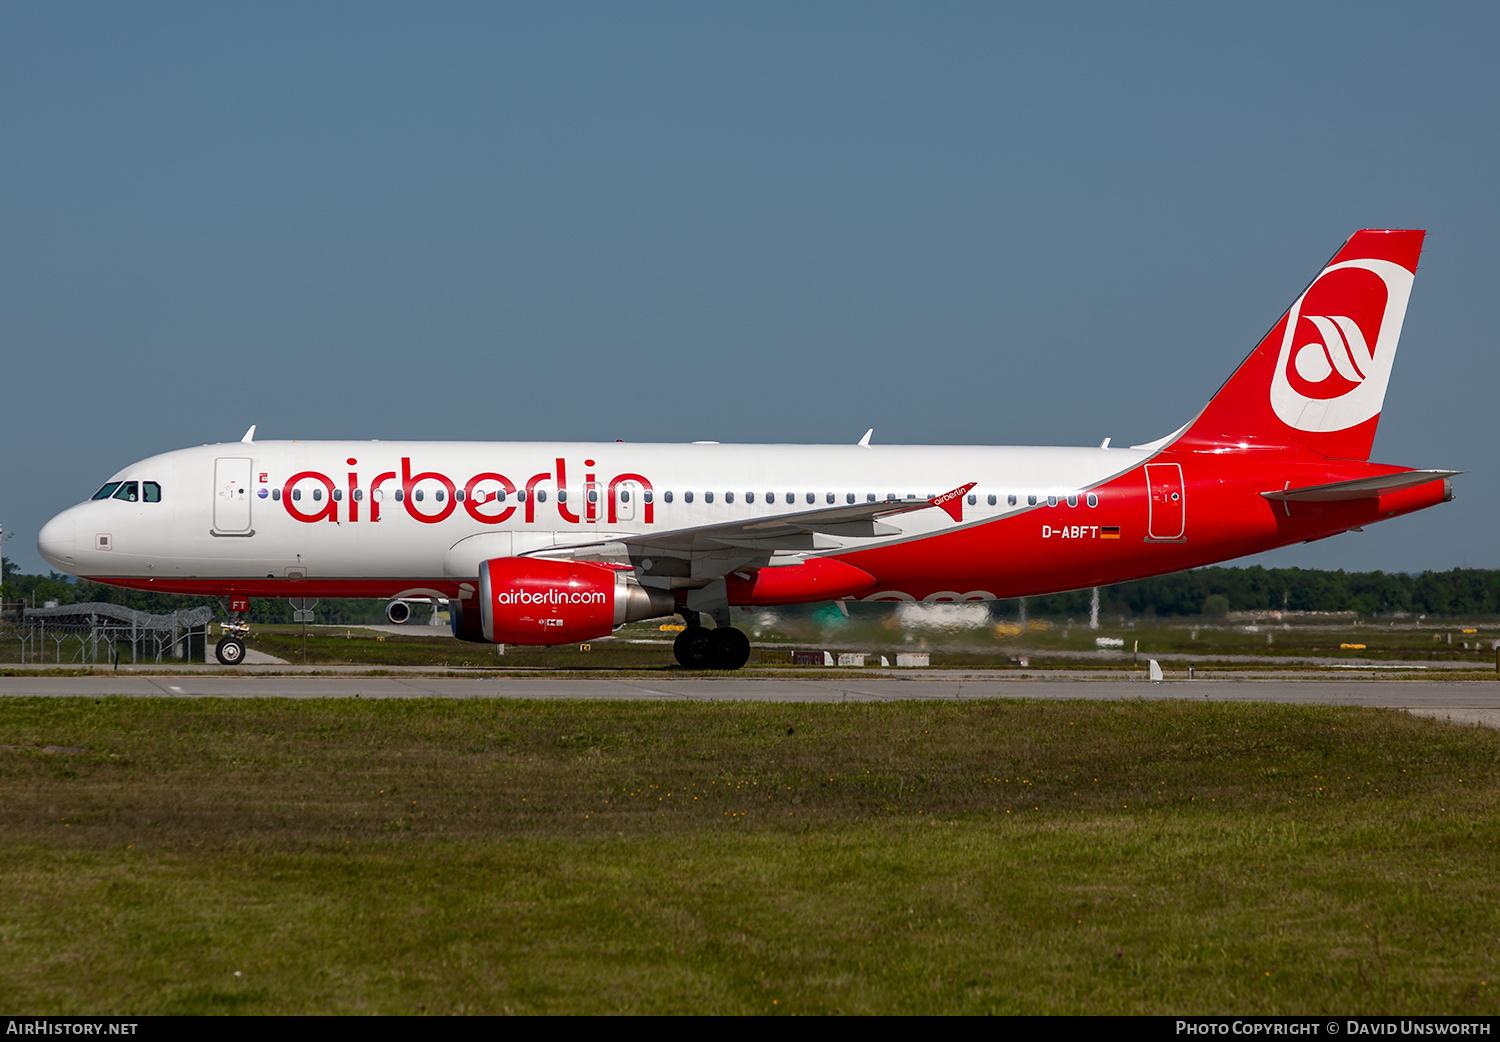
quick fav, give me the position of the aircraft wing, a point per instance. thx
(737, 543)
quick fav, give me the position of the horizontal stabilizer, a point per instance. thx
(1359, 488)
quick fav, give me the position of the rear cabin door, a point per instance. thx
(1168, 514)
(232, 495)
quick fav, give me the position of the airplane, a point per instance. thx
(542, 543)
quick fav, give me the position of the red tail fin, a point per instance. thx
(1317, 381)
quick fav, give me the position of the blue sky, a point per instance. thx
(958, 224)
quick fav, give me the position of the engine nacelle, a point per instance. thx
(527, 600)
(398, 612)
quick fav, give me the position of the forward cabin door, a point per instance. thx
(1167, 517)
(232, 495)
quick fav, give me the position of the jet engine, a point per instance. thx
(526, 600)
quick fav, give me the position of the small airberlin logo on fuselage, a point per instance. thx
(1338, 345)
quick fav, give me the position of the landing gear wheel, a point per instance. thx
(728, 648)
(230, 651)
(691, 648)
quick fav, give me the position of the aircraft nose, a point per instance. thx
(56, 541)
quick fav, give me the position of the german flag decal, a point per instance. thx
(1109, 532)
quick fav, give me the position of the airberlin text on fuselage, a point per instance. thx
(481, 496)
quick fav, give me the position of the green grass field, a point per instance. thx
(1046, 644)
(495, 856)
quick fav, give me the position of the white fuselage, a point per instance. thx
(301, 511)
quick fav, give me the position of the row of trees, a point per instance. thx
(1463, 591)
(1211, 591)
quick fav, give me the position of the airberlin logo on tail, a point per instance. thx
(1338, 346)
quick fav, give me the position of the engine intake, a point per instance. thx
(525, 600)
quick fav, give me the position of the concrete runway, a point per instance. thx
(1471, 702)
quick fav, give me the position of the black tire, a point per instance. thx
(728, 648)
(691, 648)
(230, 651)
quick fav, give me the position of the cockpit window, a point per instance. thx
(152, 491)
(107, 491)
(129, 491)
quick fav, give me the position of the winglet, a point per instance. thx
(249, 438)
(953, 502)
(864, 442)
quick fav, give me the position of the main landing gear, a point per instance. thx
(699, 647)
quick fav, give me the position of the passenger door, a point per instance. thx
(232, 496)
(1167, 510)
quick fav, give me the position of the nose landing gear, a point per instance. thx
(230, 651)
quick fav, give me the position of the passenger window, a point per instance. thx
(153, 491)
(1031, 501)
(593, 495)
(318, 495)
(358, 494)
(338, 495)
(107, 491)
(417, 495)
(377, 495)
(276, 495)
(750, 497)
(1052, 501)
(458, 495)
(687, 497)
(500, 495)
(129, 491)
(541, 495)
(973, 499)
(729, 497)
(831, 498)
(624, 495)
(1093, 500)
(849, 498)
(669, 495)
(400, 495)
(296, 495)
(438, 495)
(811, 498)
(1010, 500)
(708, 497)
(992, 500)
(646, 495)
(1073, 500)
(869, 497)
